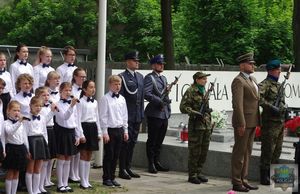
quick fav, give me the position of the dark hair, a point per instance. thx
(85, 85)
(2, 82)
(67, 49)
(75, 73)
(64, 85)
(18, 49)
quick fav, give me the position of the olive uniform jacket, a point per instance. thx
(245, 101)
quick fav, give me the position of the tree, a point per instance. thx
(296, 34)
(166, 17)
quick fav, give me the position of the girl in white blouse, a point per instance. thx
(89, 123)
(15, 149)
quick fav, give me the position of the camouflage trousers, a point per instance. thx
(271, 144)
(198, 148)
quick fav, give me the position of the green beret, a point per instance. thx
(273, 64)
(246, 58)
(200, 74)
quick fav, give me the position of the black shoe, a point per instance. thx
(73, 181)
(108, 183)
(124, 175)
(202, 178)
(69, 189)
(61, 189)
(114, 182)
(159, 167)
(152, 169)
(240, 188)
(82, 187)
(250, 187)
(132, 174)
(265, 177)
(194, 180)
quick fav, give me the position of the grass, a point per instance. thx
(97, 188)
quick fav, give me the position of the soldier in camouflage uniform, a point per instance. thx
(272, 121)
(199, 127)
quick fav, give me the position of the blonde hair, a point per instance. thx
(114, 78)
(42, 51)
(51, 75)
(24, 76)
(2, 55)
(12, 104)
(39, 91)
(36, 100)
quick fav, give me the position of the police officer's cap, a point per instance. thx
(199, 75)
(273, 64)
(132, 55)
(158, 59)
(246, 58)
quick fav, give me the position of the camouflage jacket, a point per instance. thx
(191, 101)
(268, 90)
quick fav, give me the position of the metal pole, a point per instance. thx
(100, 72)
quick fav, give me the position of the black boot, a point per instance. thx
(160, 167)
(151, 168)
(265, 176)
(124, 175)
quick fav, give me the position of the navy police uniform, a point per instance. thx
(133, 91)
(158, 112)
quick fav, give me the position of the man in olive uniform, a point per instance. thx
(272, 120)
(133, 91)
(158, 112)
(199, 127)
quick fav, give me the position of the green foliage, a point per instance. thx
(203, 29)
(48, 22)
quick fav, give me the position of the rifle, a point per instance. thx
(206, 98)
(280, 93)
(168, 89)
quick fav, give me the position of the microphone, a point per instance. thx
(50, 102)
(74, 97)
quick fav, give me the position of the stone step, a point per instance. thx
(174, 154)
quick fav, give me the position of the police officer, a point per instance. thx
(157, 111)
(272, 120)
(199, 127)
(133, 91)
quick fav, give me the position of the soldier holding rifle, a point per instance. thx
(195, 104)
(158, 111)
(273, 103)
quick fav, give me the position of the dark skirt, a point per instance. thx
(38, 148)
(5, 97)
(91, 135)
(51, 142)
(1, 152)
(65, 141)
(15, 157)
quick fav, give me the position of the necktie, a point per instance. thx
(2, 71)
(45, 65)
(46, 105)
(13, 121)
(23, 63)
(115, 95)
(66, 101)
(36, 117)
(90, 99)
(53, 92)
(71, 65)
(79, 89)
(25, 94)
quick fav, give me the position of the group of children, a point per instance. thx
(61, 120)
